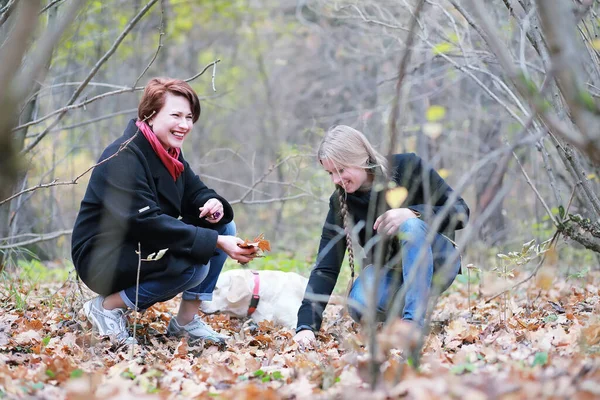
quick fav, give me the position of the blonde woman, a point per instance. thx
(354, 166)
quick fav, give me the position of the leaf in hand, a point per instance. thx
(262, 243)
(259, 241)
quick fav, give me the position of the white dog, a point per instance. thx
(279, 295)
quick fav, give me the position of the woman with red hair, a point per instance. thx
(144, 195)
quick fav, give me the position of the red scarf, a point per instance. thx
(169, 159)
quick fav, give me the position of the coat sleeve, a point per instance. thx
(125, 188)
(195, 195)
(426, 180)
(325, 273)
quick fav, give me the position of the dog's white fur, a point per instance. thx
(280, 294)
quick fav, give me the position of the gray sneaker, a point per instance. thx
(107, 322)
(196, 329)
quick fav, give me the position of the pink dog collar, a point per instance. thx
(255, 296)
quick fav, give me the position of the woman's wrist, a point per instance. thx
(301, 328)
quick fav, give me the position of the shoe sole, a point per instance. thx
(219, 342)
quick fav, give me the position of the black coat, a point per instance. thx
(421, 181)
(133, 199)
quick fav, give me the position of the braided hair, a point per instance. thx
(345, 218)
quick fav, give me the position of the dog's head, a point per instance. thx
(231, 295)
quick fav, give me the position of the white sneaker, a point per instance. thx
(107, 322)
(196, 329)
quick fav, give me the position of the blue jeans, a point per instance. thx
(412, 235)
(196, 282)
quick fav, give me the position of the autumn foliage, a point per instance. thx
(544, 345)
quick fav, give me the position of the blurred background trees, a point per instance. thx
(501, 100)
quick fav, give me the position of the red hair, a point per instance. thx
(153, 98)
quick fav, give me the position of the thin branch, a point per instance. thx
(212, 64)
(92, 99)
(137, 289)
(94, 120)
(372, 21)
(71, 182)
(6, 11)
(161, 32)
(36, 68)
(539, 196)
(534, 273)
(50, 5)
(92, 73)
(268, 201)
(567, 131)
(258, 181)
(394, 116)
(38, 238)
(214, 74)
(402, 72)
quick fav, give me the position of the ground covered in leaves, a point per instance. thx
(541, 340)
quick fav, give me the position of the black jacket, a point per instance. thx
(133, 199)
(421, 181)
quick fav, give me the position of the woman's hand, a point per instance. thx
(229, 244)
(389, 222)
(212, 210)
(305, 337)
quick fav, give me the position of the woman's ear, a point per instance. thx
(371, 164)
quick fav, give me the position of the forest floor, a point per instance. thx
(541, 340)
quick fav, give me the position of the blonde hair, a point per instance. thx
(348, 147)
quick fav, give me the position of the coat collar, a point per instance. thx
(167, 188)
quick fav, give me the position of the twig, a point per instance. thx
(35, 70)
(98, 97)
(551, 119)
(204, 70)
(214, 73)
(373, 21)
(92, 73)
(6, 11)
(137, 289)
(258, 181)
(39, 238)
(94, 120)
(535, 271)
(161, 32)
(49, 6)
(275, 200)
(539, 196)
(402, 73)
(394, 116)
(71, 182)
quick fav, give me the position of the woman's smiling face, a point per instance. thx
(173, 122)
(350, 179)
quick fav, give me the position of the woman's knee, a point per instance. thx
(194, 276)
(413, 230)
(413, 225)
(356, 303)
(228, 229)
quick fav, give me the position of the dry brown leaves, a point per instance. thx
(259, 241)
(543, 344)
